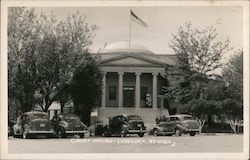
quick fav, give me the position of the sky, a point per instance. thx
(114, 22)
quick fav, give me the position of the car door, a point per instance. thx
(164, 124)
(171, 124)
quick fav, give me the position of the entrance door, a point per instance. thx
(129, 96)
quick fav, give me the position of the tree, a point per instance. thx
(62, 50)
(23, 37)
(86, 88)
(199, 53)
(43, 54)
(233, 77)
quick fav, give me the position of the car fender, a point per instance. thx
(14, 128)
(18, 129)
(125, 127)
(26, 127)
(63, 124)
(125, 123)
(179, 126)
(159, 128)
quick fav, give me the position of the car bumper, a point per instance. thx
(75, 132)
(192, 130)
(40, 132)
(137, 131)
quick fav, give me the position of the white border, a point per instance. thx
(4, 82)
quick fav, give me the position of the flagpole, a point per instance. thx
(129, 30)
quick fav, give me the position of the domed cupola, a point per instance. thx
(122, 47)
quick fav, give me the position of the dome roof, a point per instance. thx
(123, 47)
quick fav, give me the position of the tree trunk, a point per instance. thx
(62, 103)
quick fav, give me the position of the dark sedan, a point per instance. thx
(32, 123)
(68, 124)
(125, 124)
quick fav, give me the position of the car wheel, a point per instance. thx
(61, 133)
(14, 133)
(141, 134)
(192, 133)
(123, 133)
(178, 132)
(25, 134)
(156, 132)
(81, 135)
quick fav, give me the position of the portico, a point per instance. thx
(132, 81)
(130, 86)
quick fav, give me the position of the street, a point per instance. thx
(130, 144)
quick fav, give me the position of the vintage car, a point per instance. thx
(177, 124)
(32, 123)
(125, 124)
(68, 124)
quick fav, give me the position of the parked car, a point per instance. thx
(68, 124)
(32, 123)
(125, 124)
(177, 124)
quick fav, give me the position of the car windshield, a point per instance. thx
(187, 118)
(133, 117)
(71, 118)
(38, 116)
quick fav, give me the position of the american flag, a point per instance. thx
(136, 19)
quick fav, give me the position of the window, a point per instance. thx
(144, 91)
(112, 92)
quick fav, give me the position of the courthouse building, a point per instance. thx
(132, 81)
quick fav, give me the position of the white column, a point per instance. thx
(120, 95)
(138, 90)
(154, 90)
(104, 89)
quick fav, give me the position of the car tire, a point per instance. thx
(14, 133)
(25, 135)
(140, 134)
(156, 132)
(81, 135)
(15, 136)
(178, 132)
(123, 132)
(61, 133)
(192, 133)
